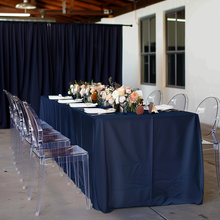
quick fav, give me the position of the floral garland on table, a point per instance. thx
(85, 90)
(108, 95)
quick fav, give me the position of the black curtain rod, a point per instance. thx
(125, 25)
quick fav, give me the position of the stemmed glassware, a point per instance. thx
(87, 98)
(123, 102)
(102, 99)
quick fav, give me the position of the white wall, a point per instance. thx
(202, 51)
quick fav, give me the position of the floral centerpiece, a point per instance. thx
(85, 90)
(108, 95)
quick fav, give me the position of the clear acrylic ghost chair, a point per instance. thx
(179, 102)
(15, 125)
(50, 147)
(25, 134)
(155, 97)
(21, 130)
(47, 130)
(208, 111)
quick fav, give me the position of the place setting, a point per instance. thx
(99, 111)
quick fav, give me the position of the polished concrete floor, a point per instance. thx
(61, 202)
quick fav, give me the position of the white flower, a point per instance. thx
(103, 95)
(115, 94)
(76, 88)
(111, 101)
(117, 100)
(122, 99)
(82, 91)
(87, 90)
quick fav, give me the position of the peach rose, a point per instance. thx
(92, 90)
(128, 89)
(132, 100)
(134, 95)
(100, 87)
(121, 90)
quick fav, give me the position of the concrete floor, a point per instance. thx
(62, 202)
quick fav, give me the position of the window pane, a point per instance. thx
(145, 64)
(180, 69)
(171, 31)
(181, 30)
(145, 38)
(152, 69)
(171, 69)
(152, 35)
(148, 50)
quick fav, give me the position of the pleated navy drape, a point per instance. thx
(42, 58)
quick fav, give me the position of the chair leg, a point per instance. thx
(19, 152)
(76, 172)
(86, 180)
(217, 166)
(16, 147)
(26, 163)
(85, 168)
(22, 158)
(41, 175)
(60, 165)
(68, 169)
(31, 175)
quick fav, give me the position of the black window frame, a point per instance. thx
(178, 76)
(151, 55)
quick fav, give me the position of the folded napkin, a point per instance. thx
(99, 111)
(58, 97)
(82, 105)
(152, 108)
(66, 101)
(163, 107)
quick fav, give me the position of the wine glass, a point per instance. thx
(123, 102)
(102, 99)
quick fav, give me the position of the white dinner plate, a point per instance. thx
(82, 105)
(99, 110)
(58, 97)
(64, 101)
(163, 107)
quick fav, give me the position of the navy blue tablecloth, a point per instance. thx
(135, 160)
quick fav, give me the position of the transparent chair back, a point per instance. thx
(12, 109)
(46, 149)
(155, 97)
(179, 102)
(16, 130)
(208, 112)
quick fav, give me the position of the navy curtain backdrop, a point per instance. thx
(42, 58)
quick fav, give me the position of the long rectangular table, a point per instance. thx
(135, 160)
